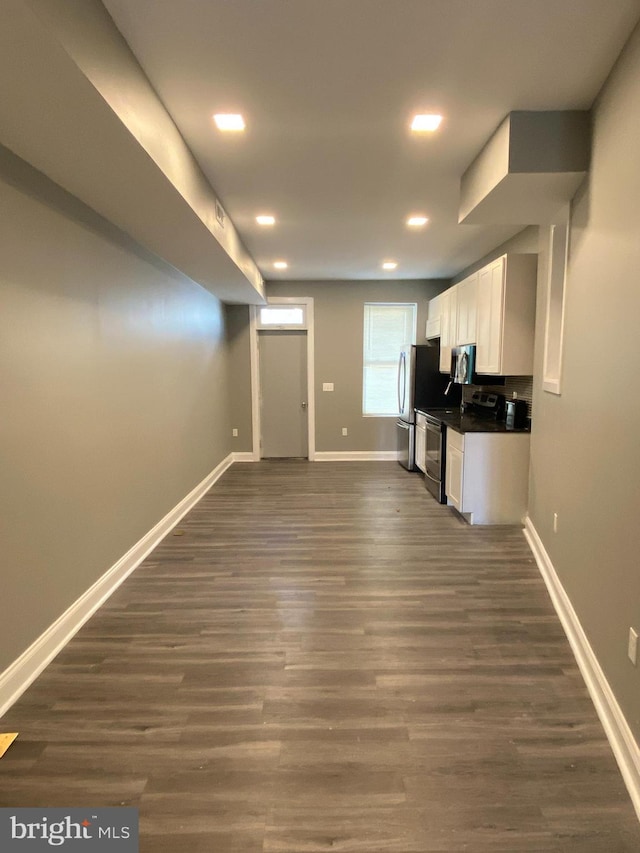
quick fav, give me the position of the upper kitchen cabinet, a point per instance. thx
(448, 326)
(467, 309)
(442, 324)
(434, 319)
(506, 316)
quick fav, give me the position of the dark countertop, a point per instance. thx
(470, 422)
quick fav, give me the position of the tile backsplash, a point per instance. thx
(521, 385)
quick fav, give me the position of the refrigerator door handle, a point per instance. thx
(402, 382)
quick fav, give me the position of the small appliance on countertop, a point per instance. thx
(516, 414)
(486, 405)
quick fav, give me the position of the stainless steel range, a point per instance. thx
(435, 456)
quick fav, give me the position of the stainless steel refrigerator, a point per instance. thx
(420, 386)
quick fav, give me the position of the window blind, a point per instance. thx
(387, 328)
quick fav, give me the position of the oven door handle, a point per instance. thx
(433, 422)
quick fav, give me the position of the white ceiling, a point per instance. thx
(327, 88)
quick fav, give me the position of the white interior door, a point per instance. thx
(283, 394)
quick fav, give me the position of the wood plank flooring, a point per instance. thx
(326, 659)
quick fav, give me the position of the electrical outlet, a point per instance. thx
(234, 433)
(514, 395)
(345, 431)
(327, 386)
(633, 646)
(555, 522)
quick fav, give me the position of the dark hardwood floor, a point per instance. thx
(323, 658)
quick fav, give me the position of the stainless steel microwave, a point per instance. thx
(463, 364)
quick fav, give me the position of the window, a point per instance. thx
(282, 317)
(556, 292)
(387, 328)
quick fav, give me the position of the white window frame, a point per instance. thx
(260, 324)
(413, 305)
(558, 261)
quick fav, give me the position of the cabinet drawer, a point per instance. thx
(455, 439)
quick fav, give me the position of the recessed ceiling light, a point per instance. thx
(280, 265)
(417, 221)
(265, 220)
(229, 121)
(389, 265)
(426, 122)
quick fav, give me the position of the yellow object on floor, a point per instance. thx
(6, 740)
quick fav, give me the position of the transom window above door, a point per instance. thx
(289, 316)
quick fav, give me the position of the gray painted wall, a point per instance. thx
(339, 316)
(113, 372)
(238, 345)
(585, 449)
(525, 242)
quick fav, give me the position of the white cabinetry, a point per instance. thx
(453, 316)
(442, 323)
(421, 442)
(466, 315)
(490, 293)
(454, 469)
(434, 319)
(506, 302)
(448, 326)
(494, 309)
(487, 474)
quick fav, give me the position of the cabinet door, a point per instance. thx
(453, 315)
(490, 318)
(449, 324)
(434, 324)
(445, 337)
(421, 448)
(467, 304)
(454, 475)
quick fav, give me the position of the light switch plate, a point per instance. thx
(327, 386)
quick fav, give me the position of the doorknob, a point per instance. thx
(304, 405)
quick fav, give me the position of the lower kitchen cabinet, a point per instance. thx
(421, 442)
(487, 474)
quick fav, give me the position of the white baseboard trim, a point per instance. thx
(244, 456)
(25, 669)
(624, 746)
(332, 456)
(356, 455)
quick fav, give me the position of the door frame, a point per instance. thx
(307, 301)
